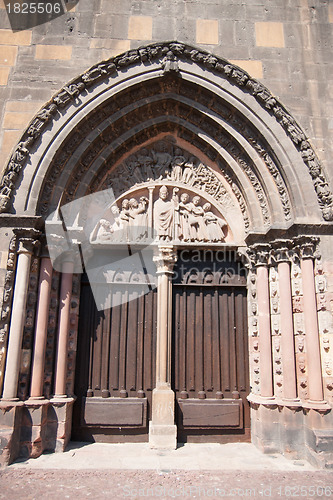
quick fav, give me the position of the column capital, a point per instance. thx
(260, 254)
(306, 246)
(281, 250)
(28, 240)
(165, 258)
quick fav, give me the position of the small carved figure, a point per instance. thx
(117, 226)
(184, 212)
(139, 222)
(215, 225)
(196, 220)
(169, 63)
(104, 232)
(162, 161)
(125, 216)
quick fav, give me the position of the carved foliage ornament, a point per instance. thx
(168, 55)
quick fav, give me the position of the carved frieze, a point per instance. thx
(176, 216)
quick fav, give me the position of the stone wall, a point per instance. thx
(286, 44)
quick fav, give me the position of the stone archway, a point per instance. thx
(259, 172)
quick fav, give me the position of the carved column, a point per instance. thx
(63, 325)
(282, 249)
(315, 382)
(264, 321)
(162, 429)
(27, 242)
(37, 377)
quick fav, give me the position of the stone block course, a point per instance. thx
(111, 26)
(7, 37)
(269, 34)
(8, 54)
(207, 31)
(4, 75)
(16, 120)
(60, 52)
(114, 46)
(140, 27)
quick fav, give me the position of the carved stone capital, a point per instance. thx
(260, 254)
(281, 250)
(28, 240)
(306, 246)
(165, 259)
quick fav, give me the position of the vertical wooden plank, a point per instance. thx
(153, 338)
(177, 360)
(97, 354)
(105, 358)
(216, 348)
(131, 339)
(199, 344)
(140, 346)
(246, 342)
(232, 341)
(115, 331)
(224, 339)
(123, 340)
(190, 311)
(148, 339)
(91, 332)
(240, 359)
(183, 340)
(207, 339)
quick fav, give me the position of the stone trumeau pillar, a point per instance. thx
(27, 242)
(162, 428)
(306, 249)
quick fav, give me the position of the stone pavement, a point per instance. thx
(186, 457)
(117, 471)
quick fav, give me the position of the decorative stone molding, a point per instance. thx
(168, 54)
(165, 259)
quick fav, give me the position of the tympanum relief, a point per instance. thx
(166, 214)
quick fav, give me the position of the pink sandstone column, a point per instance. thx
(315, 383)
(17, 319)
(65, 303)
(264, 324)
(36, 391)
(287, 332)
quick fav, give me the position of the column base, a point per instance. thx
(10, 425)
(316, 405)
(162, 437)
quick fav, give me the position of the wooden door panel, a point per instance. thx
(210, 373)
(115, 371)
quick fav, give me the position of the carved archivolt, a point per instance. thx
(168, 55)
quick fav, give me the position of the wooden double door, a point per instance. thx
(116, 356)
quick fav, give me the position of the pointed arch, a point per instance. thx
(211, 107)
